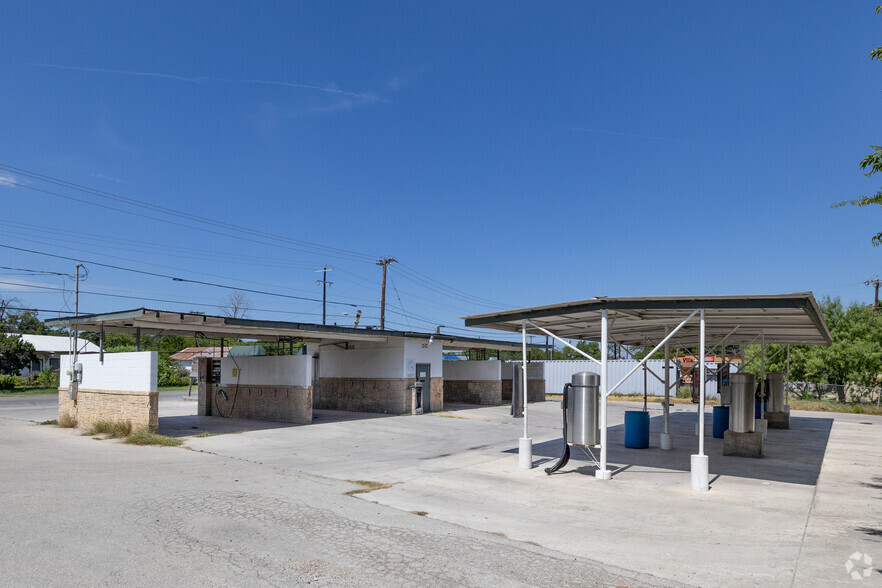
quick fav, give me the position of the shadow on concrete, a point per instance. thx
(190, 425)
(793, 455)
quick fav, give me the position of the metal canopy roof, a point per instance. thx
(182, 323)
(780, 318)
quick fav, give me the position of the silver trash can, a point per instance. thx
(582, 409)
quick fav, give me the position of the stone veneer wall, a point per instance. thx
(283, 404)
(475, 391)
(436, 400)
(139, 408)
(535, 390)
(381, 395)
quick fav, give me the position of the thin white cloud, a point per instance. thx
(15, 284)
(326, 88)
(9, 180)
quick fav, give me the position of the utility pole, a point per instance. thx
(384, 262)
(874, 282)
(325, 283)
(73, 386)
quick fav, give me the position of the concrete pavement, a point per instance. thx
(794, 517)
(83, 512)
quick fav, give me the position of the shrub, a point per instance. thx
(47, 379)
(170, 373)
(8, 382)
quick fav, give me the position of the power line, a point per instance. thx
(160, 265)
(149, 299)
(175, 278)
(323, 249)
(147, 216)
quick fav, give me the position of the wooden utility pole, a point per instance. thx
(874, 282)
(325, 283)
(384, 262)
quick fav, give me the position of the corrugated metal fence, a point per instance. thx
(559, 372)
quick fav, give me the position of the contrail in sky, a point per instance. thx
(336, 91)
(204, 79)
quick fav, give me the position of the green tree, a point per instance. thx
(15, 354)
(872, 162)
(591, 348)
(854, 357)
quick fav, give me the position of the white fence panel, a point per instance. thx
(559, 372)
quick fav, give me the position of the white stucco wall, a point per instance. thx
(473, 370)
(392, 359)
(367, 359)
(421, 351)
(268, 370)
(131, 372)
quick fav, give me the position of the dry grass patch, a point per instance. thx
(144, 437)
(67, 421)
(419, 513)
(52, 422)
(110, 429)
(833, 406)
(367, 486)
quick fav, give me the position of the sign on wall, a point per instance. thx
(410, 368)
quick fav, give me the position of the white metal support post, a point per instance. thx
(603, 473)
(700, 462)
(525, 444)
(667, 442)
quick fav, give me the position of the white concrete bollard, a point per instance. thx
(666, 441)
(699, 473)
(525, 453)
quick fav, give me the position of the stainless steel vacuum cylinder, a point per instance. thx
(775, 400)
(741, 411)
(582, 409)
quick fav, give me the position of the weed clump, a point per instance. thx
(67, 421)
(142, 436)
(111, 429)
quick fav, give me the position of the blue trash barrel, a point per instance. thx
(758, 413)
(721, 421)
(636, 429)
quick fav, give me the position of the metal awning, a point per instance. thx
(662, 321)
(164, 322)
(781, 318)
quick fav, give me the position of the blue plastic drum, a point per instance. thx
(721, 421)
(636, 429)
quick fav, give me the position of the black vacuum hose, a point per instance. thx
(565, 457)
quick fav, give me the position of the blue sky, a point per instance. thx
(506, 153)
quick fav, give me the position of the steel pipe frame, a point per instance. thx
(651, 353)
(626, 350)
(556, 338)
(603, 473)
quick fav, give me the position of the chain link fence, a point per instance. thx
(844, 393)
